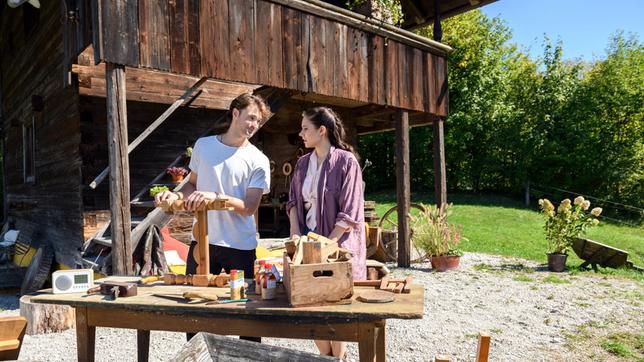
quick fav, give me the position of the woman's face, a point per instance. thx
(310, 135)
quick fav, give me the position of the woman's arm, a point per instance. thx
(295, 225)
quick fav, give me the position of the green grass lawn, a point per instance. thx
(503, 226)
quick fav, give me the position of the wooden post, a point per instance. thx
(119, 169)
(403, 192)
(438, 29)
(440, 180)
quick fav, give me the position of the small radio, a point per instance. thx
(72, 280)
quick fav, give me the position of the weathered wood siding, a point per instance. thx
(48, 210)
(264, 42)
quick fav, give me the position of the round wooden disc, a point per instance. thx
(376, 296)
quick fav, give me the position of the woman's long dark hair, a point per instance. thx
(325, 116)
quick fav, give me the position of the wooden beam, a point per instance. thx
(119, 170)
(144, 85)
(154, 125)
(440, 180)
(403, 191)
(438, 30)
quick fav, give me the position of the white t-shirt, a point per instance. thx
(231, 171)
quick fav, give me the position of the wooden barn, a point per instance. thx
(84, 83)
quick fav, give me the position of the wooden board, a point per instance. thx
(376, 296)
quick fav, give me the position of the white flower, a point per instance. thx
(579, 200)
(596, 211)
(585, 205)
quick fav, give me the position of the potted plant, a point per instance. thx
(563, 224)
(177, 174)
(157, 189)
(437, 237)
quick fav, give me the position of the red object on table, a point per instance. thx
(170, 243)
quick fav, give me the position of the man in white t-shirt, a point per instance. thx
(228, 166)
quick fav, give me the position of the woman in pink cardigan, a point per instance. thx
(326, 195)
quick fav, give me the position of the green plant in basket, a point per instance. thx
(566, 222)
(157, 189)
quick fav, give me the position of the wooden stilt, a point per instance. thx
(119, 170)
(440, 180)
(403, 192)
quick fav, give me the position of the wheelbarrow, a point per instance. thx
(594, 253)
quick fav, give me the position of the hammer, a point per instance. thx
(115, 289)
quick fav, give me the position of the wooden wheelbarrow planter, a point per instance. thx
(594, 253)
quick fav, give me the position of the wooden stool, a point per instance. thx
(12, 330)
(482, 354)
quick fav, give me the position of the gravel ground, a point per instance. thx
(531, 314)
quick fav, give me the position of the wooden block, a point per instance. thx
(169, 278)
(180, 279)
(201, 280)
(384, 283)
(441, 359)
(375, 296)
(483, 352)
(407, 287)
(372, 273)
(312, 252)
(299, 253)
(367, 283)
(42, 318)
(399, 288)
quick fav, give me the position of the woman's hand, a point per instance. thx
(199, 198)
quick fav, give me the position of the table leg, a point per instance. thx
(143, 345)
(381, 350)
(367, 341)
(85, 336)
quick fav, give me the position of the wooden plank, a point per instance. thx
(403, 193)
(316, 59)
(179, 24)
(212, 347)
(241, 15)
(303, 54)
(376, 69)
(362, 66)
(215, 56)
(154, 34)
(120, 31)
(292, 40)
(403, 77)
(441, 86)
(391, 74)
(275, 51)
(193, 38)
(416, 79)
(119, 169)
(262, 42)
(353, 59)
(440, 178)
(430, 69)
(340, 59)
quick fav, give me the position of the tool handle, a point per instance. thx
(200, 295)
(150, 279)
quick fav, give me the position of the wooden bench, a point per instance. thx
(12, 330)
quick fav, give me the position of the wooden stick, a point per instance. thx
(312, 251)
(483, 352)
(441, 359)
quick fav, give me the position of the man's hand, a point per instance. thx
(165, 195)
(198, 198)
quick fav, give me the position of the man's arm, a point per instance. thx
(248, 205)
(186, 190)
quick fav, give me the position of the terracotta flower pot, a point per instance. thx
(557, 262)
(445, 262)
(176, 178)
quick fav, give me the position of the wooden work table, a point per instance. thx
(161, 307)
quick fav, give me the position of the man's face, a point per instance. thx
(246, 121)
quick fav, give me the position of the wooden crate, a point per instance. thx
(317, 284)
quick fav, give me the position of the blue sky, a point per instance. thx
(584, 26)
